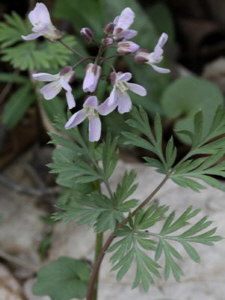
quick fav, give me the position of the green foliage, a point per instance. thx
(12, 29)
(42, 55)
(97, 209)
(152, 141)
(109, 156)
(17, 106)
(136, 243)
(208, 145)
(197, 233)
(63, 279)
(39, 55)
(185, 97)
(132, 245)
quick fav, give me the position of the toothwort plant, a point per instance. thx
(85, 164)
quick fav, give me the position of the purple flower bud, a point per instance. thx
(109, 28)
(87, 34)
(92, 75)
(127, 47)
(107, 41)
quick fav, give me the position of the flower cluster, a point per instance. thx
(116, 34)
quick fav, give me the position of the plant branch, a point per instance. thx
(70, 48)
(97, 264)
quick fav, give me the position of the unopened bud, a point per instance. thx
(107, 41)
(109, 28)
(87, 34)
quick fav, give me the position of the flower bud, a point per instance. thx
(109, 28)
(127, 47)
(92, 75)
(107, 41)
(87, 34)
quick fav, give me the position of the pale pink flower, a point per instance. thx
(91, 78)
(154, 57)
(119, 96)
(90, 112)
(122, 24)
(57, 83)
(42, 25)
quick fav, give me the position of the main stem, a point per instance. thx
(98, 248)
(95, 272)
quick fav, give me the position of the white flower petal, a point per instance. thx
(39, 15)
(94, 128)
(124, 77)
(49, 91)
(124, 103)
(65, 84)
(31, 36)
(105, 108)
(126, 18)
(162, 39)
(137, 89)
(92, 101)
(160, 70)
(70, 100)
(128, 34)
(45, 77)
(113, 96)
(76, 119)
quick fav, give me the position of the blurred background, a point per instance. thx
(195, 53)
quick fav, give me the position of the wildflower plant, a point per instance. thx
(87, 156)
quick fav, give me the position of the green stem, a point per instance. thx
(98, 248)
(70, 48)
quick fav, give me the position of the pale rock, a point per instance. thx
(9, 287)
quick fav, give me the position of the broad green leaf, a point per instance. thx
(63, 279)
(188, 95)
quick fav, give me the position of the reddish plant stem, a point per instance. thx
(97, 265)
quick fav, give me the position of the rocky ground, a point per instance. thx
(23, 228)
